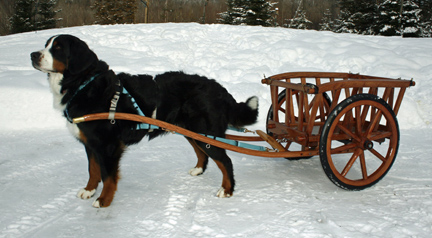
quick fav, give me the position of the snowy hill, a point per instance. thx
(43, 167)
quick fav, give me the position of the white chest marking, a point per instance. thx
(54, 80)
(73, 129)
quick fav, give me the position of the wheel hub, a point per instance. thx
(368, 145)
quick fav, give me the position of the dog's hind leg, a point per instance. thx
(201, 165)
(94, 176)
(228, 182)
(224, 163)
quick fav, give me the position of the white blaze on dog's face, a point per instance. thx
(45, 61)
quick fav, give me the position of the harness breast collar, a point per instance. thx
(66, 111)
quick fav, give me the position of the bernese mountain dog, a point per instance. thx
(82, 84)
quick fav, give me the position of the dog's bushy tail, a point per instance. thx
(245, 113)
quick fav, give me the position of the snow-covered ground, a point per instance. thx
(42, 166)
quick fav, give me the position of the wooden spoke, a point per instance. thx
(348, 132)
(363, 165)
(378, 155)
(375, 119)
(343, 148)
(358, 120)
(379, 136)
(351, 162)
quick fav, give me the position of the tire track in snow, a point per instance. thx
(175, 212)
(44, 215)
(24, 170)
(41, 156)
(180, 210)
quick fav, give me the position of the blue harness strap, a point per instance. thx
(133, 102)
(66, 111)
(237, 143)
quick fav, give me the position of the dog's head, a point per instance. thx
(64, 53)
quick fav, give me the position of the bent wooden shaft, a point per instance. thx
(193, 135)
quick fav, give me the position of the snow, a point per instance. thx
(43, 167)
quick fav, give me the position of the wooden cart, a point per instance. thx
(349, 120)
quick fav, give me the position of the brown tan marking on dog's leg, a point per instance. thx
(94, 177)
(110, 174)
(227, 188)
(108, 191)
(201, 165)
(93, 182)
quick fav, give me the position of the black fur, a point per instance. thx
(190, 101)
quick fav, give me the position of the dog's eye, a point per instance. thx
(57, 47)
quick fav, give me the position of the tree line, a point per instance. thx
(352, 16)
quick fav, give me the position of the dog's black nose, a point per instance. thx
(35, 56)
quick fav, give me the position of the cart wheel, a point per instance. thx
(281, 101)
(359, 142)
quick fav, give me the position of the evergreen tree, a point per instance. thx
(426, 7)
(388, 18)
(411, 22)
(427, 28)
(23, 19)
(249, 12)
(343, 25)
(260, 13)
(299, 21)
(327, 23)
(45, 18)
(344, 21)
(114, 11)
(234, 14)
(33, 15)
(357, 16)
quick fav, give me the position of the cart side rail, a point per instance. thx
(335, 83)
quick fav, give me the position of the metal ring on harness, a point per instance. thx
(208, 146)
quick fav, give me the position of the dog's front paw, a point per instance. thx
(222, 193)
(96, 204)
(196, 171)
(102, 202)
(85, 194)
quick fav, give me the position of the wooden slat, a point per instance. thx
(399, 100)
(363, 83)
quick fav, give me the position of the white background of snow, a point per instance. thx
(42, 166)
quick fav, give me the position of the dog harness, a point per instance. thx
(66, 111)
(145, 126)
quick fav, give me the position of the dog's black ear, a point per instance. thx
(80, 57)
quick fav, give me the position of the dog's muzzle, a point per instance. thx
(35, 58)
